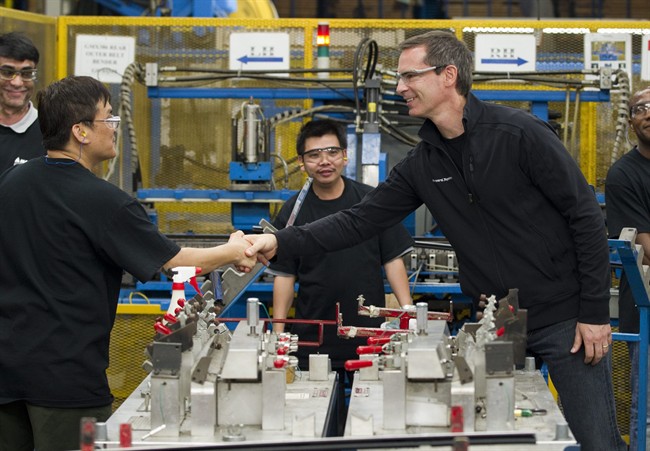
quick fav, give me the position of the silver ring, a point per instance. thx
(605, 346)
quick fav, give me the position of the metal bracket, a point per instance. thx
(200, 373)
(166, 358)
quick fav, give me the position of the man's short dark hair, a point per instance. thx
(65, 103)
(318, 128)
(444, 48)
(18, 47)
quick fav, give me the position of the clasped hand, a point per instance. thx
(243, 262)
(255, 248)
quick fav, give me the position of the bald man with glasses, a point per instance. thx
(627, 197)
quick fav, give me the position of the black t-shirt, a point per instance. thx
(627, 203)
(338, 276)
(454, 148)
(25, 146)
(66, 236)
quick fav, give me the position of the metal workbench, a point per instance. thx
(531, 392)
(308, 404)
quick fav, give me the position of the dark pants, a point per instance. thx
(633, 348)
(585, 391)
(25, 427)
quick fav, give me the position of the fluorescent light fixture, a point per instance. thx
(498, 30)
(625, 30)
(566, 30)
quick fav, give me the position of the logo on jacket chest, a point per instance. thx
(441, 180)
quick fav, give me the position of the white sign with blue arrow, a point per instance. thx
(259, 51)
(505, 53)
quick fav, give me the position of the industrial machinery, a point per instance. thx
(250, 166)
(362, 95)
(424, 380)
(207, 384)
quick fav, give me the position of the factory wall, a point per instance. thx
(510, 9)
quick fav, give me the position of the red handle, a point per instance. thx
(170, 318)
(378, 340)
(161, 328)
(351, 365)
(369, 350)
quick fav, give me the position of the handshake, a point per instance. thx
(251, 249)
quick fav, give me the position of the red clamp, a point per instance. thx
(378, 340)
(352, 365)
(170, 318)
(369, 350)
(161, 328)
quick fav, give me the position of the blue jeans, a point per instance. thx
(633, 349)
(585, 391)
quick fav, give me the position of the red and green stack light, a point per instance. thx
(323, 46)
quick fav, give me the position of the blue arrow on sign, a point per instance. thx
(518, 61)
(260, 59)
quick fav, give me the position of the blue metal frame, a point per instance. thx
(178, 8)
(539, 99)
(625, 252)
(172, 194)
(251, 172)
(157, 92)
(246, 215)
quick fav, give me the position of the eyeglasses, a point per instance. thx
(9, 73)
(640, 109)
(331, 154)
(111, 122)
(408, 76)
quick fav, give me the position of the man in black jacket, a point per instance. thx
(518, 213)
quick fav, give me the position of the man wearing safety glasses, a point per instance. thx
(66, 238)
(335, 277)
(20, 135)
(627, 198)
(516, 209)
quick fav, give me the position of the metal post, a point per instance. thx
(628, 254)
(643, 377)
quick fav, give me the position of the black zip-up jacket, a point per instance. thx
(521, 215)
